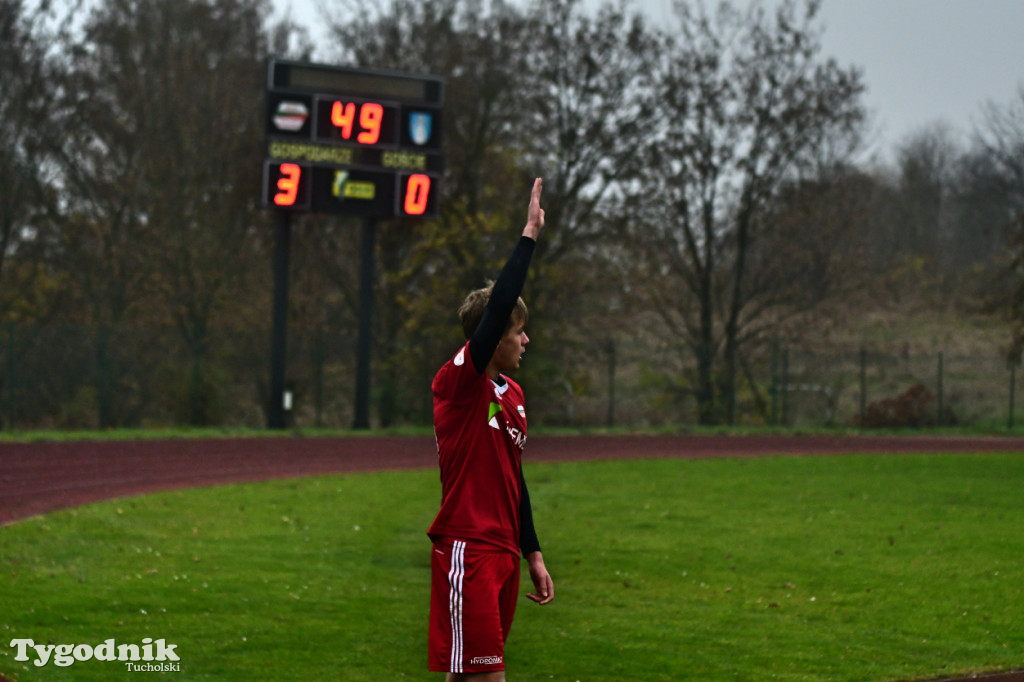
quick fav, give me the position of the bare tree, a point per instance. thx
(1001, 138)
(161, 158)
(926, 163)
(984, 213)
(27, 195)
(589, 106)
(103, 239)
(747, 103)
(1001, 135)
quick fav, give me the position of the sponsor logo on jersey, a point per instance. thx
(517, 436)
(492, 416)
(486, 660)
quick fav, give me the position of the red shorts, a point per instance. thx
(472, 600)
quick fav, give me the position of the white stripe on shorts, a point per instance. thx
(455, 575)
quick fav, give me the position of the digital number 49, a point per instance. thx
(343, 116)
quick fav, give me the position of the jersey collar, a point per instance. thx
(500, 388)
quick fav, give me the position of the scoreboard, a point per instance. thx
(360, 142)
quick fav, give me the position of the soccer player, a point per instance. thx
(485, 519)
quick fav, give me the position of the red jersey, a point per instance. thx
(481, 432)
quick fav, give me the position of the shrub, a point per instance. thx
(913, 408)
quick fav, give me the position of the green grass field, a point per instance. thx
(859, 568)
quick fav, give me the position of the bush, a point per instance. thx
(913, 408)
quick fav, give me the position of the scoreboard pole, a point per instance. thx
(364, 345)
(277, 412)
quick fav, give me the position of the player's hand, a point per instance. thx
(535, 215)
(542, 583)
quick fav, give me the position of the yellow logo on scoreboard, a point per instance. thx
(360, 190)
(343, 188)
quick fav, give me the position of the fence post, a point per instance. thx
(940, 389)
(1013, 382)
(104, 382)
(10, 376)
(863, 385)
(775, 384)
(318, 361)
(785, 386)
(610, 347)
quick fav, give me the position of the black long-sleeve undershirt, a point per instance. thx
(484, 342)
(528, 541)
(499, 308)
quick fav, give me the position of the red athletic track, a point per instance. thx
(41, 477)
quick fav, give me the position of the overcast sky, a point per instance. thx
(924, 60)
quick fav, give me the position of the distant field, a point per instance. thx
(859, 568)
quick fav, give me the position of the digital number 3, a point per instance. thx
(288, 184)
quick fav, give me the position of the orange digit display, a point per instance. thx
(370, 116)
(343, 116)
(288, 184)
(417, 191)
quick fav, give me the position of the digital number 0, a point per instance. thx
(288, 184)
(416, 193)
(370, 117)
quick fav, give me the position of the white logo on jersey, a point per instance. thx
(460, 359)
(518, 437)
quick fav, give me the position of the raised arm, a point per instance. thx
(508, 286)
(535, 214)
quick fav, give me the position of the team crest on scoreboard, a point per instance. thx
(290, 116)
(420, 125)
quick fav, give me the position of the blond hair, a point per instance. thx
(472, 310)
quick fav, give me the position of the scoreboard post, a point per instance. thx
(356, 142)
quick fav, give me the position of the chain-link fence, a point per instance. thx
(799, 387)
(65, 377)
(873, 388)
